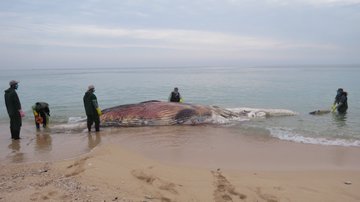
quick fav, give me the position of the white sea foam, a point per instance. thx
(74, 123)
(289, 135)
(218, 119)
(262, 113)
(69, 126)
(76, 119)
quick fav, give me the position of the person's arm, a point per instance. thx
(337, 98)
(34, 110)
(17, 101)
(18, 104)
(96, 105)
(335, 104)
(181, 99)
(47, 111)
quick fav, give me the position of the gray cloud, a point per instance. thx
(199, 31)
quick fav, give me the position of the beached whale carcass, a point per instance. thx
(152, 113)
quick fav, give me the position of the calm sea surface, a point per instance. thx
(300, 89)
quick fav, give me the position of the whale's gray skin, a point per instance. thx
(156, 113)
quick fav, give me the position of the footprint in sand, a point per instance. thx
(266, 197)
(43, 196)
(77, 167)
(155, 181)
(224, 191)
(158, 183)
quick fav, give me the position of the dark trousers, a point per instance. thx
(43, 116)
(342, 109)
(91, 119)
(15, 126)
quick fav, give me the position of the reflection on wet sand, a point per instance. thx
(43, 142)
(16, 156)
(93, 140)
(15, 146)
(46, 144)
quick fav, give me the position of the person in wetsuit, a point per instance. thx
(175, 96)
(41, 113)
(338, 95)
(340, 102)
(92, 109)
(13, 107)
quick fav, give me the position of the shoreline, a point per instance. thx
(200, 146)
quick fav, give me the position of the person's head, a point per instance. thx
(339, 91)
(345, 93)
(176, 89)
(14, 84)
(91, 88)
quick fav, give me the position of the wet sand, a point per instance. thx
(202, 163)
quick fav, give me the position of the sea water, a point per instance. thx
(298, 89)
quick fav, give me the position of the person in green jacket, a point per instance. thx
(13, 107)
(92, 109)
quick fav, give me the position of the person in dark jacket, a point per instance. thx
(341, 104)
(41, 114)
(92, 109)
(175, 96)
(13, 107)
(338, 95)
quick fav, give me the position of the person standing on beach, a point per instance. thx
(13, 107)
(41, 114)
(175, 96)
(92, 109)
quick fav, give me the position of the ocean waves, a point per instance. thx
(291, 135)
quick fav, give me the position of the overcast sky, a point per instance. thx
(142, 33)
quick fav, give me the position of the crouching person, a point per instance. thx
(41, 114)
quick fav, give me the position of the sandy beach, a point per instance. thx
(183, 164)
